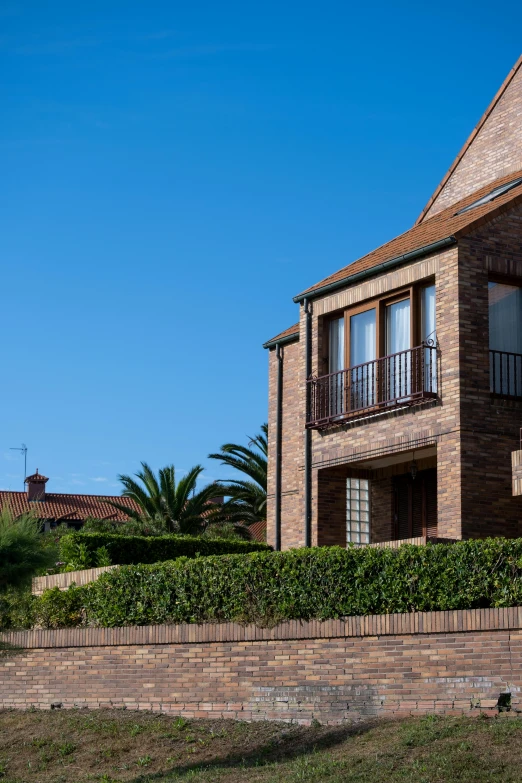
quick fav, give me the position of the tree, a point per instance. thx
(247, 497)
(23, 550)
(178, 506)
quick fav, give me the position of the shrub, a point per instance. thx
(60, 608)
(85, 548)
(17, 609)
(53, 609)
(23, 550)
(130, 527)
(319, 583)
(316, 583)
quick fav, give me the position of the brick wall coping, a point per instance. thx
(458, 621)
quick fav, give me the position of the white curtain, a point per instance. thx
(505, 318)
(428, 332)
(362, 338)
(363, 347)
(398, 342)
(505, 334)
(336, 384)
(336, 353)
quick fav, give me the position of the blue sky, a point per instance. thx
(173, 173)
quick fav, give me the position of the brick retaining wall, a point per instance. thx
(334, 671)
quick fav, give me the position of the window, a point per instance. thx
(505, 338)
(398, 341)
(363, 351)
(373, 358)
(336, 363)
(429, 335)
(357, 511)
(492, 195)
(336, 355)
(387, 328)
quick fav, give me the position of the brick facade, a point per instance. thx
(334, 671)
(468, 434)
(293, 420)
(494, 150)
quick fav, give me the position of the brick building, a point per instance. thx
(396, 401)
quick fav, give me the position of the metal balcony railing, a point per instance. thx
(505, 373)
(402, 379)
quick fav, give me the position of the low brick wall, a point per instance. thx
(63, 581)
(334, 671)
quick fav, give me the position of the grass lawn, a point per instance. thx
(111, 746)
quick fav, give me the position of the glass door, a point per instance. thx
(398, 343)
(363, 352)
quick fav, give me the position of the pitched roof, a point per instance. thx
(474, 133)
(445, 225)
(36, 478)
(286, 336)
(258, 530)
(63, 506)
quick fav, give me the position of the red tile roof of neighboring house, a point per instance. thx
(36, 478)
(476, 130)
(290, 332)
(258, 530)
(56, 506)
(443, 225)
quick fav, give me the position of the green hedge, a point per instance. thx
(320, 583)
(85, 549)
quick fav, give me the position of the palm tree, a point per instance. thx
(247, 497)
(160, 499)
(23, 550)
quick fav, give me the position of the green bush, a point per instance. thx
(319, 583)
(86, 549)
(53, 609)
(312, 583)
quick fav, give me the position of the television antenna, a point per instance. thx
(23, 450)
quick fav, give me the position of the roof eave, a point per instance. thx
(374, 270)
(290, 338)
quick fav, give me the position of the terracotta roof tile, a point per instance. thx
(36, 478)
(290, 332)
(63, 506)
(258, 530)
(441, 226)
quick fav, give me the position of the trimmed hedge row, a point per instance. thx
(128, 550)
(319, 583)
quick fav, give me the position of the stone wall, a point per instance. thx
(334, 671)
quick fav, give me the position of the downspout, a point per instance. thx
(308, 432)
(278, 460)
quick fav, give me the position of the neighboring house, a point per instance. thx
(396, 401)
(55, 508)
(62, 508)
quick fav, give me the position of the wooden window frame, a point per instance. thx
(379, 304)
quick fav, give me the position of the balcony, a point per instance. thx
(400, 380)
(505, 373)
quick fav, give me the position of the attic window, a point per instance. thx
(492, 195)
